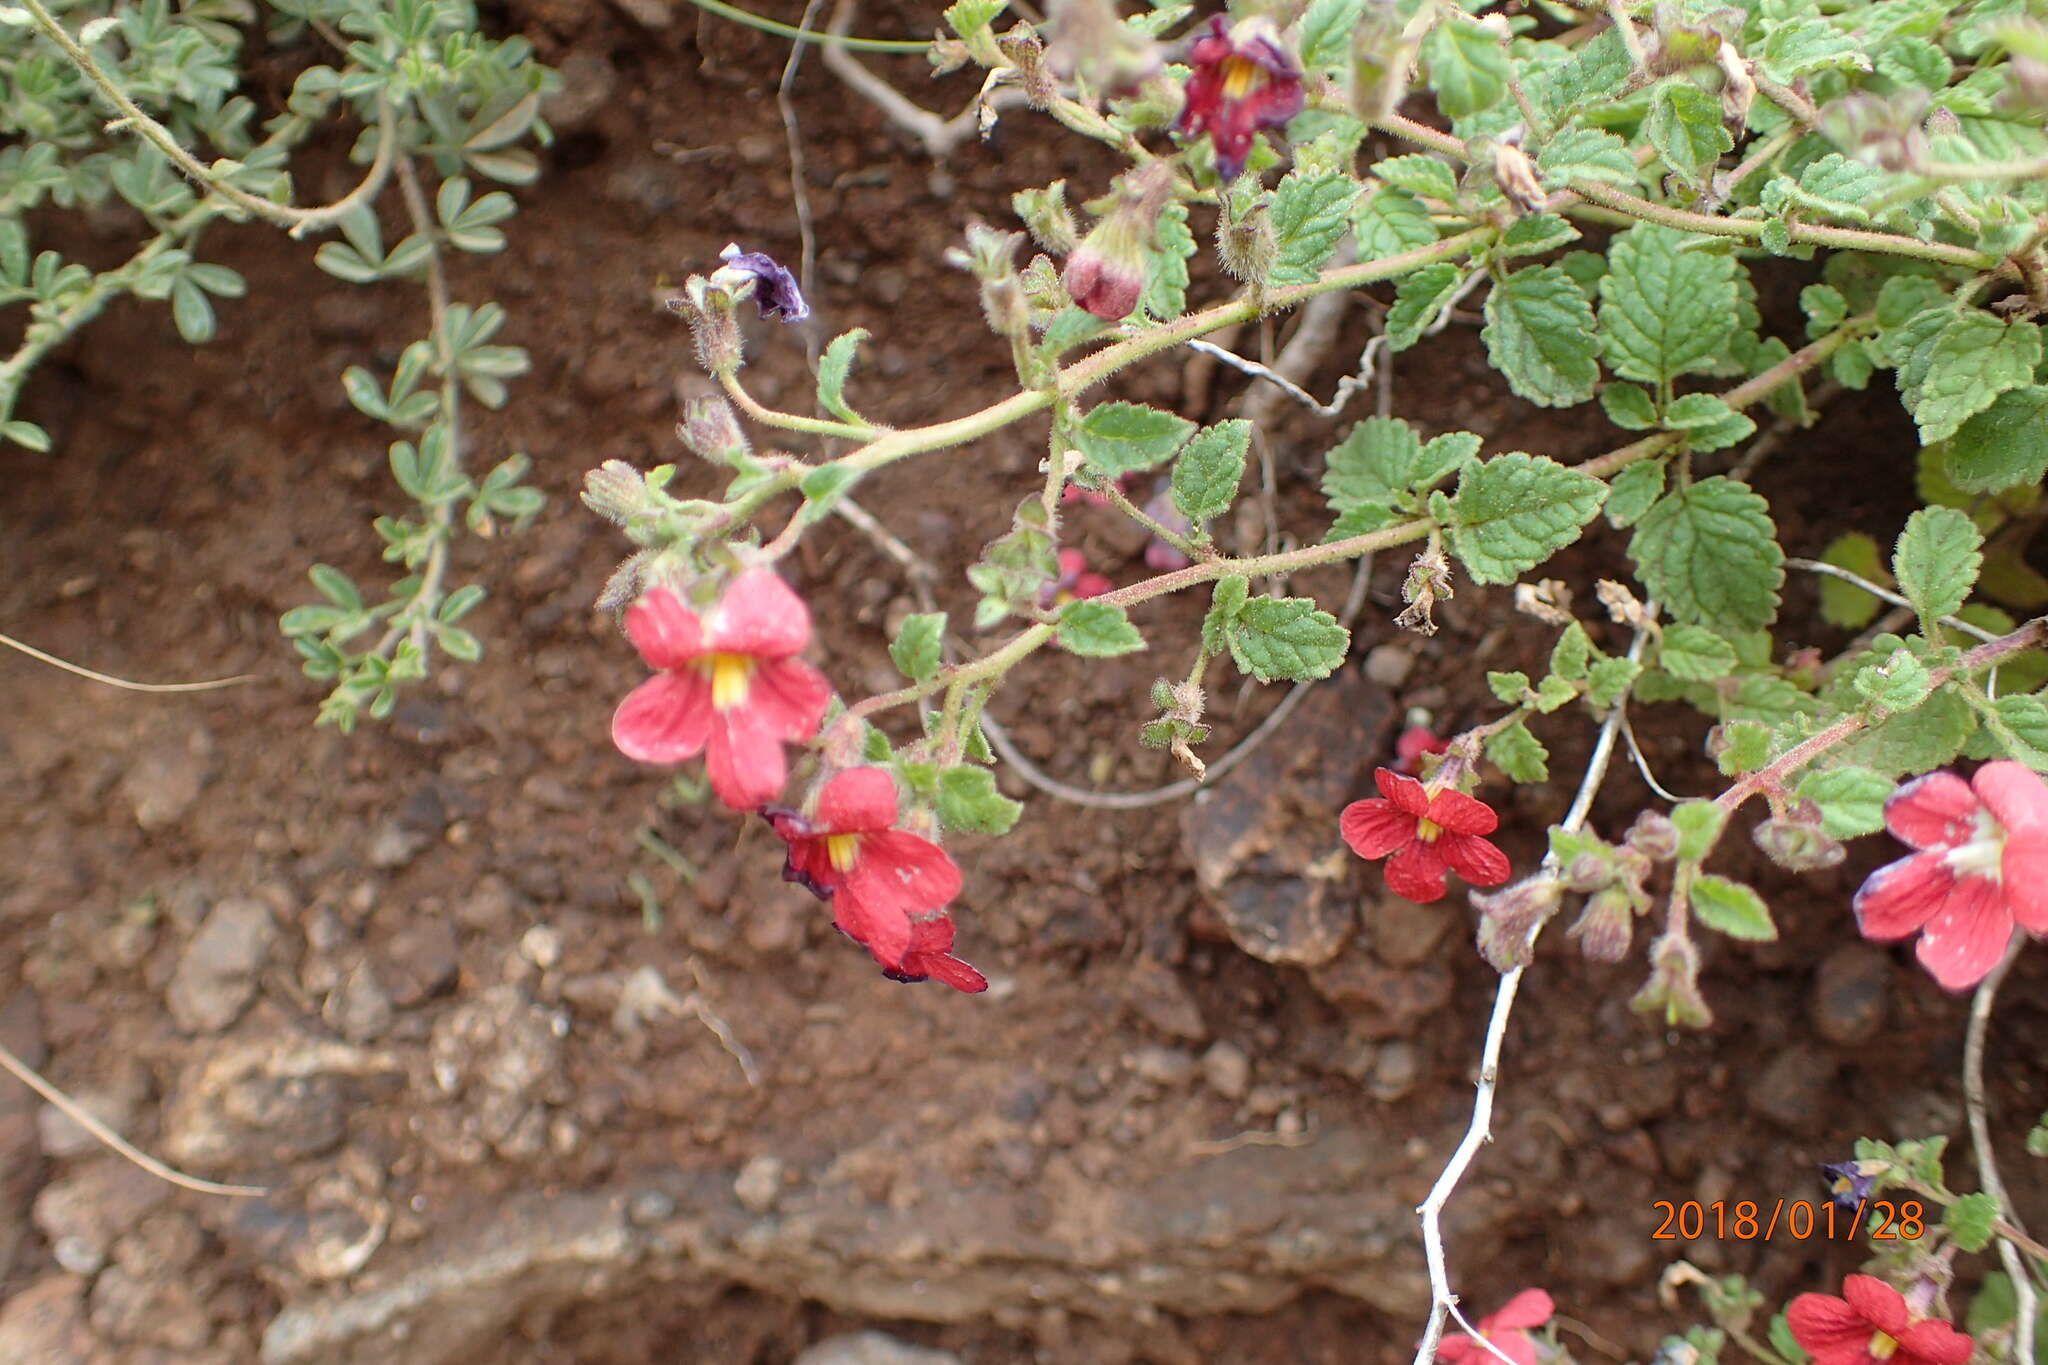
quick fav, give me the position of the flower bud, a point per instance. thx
(1516, 176)
(1380, 60)
(1046, 214)
(1796, 842)
(712, 432)
(626, 584)
(1604, 926)
(1510, 917)
(1673, 989)
(1654, 836)
(1246, 246)
(1738, 88)
(1587, 873)
(1107, 273)
(712, 324)
(616, 491)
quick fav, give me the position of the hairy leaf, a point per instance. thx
(1709, 554)
(1539, 334)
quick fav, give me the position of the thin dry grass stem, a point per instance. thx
(1987, 1157)
(123, 683)
(83, 1117)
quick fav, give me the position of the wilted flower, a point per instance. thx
(1506, 1330)
(775, 289)
(930, 956)
(1243, 81)
(1848, 1183)
(1426, 835)
(1870, 1325)
(1980, 875)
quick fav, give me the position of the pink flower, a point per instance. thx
(877, 877)
(1507, 1329)
(1243, 80)
(1425, 834)
(931, 955)
(1981, 869)
(1870, 1325)
(730, 686)
(1074, 583)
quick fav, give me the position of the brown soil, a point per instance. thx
(436, 1071)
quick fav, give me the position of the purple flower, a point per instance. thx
(775, 289)
(1243, 80)
(1847, 1183)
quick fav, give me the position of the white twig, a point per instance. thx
(1642, 762)
(1345, 387)
(798, 192)
(112, 681)
(938, 136)
(84, 1118)
(1987, 1157)
(1885, 594)
(1479, 1132)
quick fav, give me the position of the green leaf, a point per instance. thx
(1971, 1221)
(1851, 799)
(1628, 407)
(1844, 604)
(1745, 747)
(1608, 679)
(1937, 562)
(1309, 214)
(969, 17)
(1539, 334)
(1709, 554)
(1390, 222)
(1519, 755)
(1552, 693)
(2027, 718)
(1916, 741)
(1286, 637)
(1419, 175)
(1206, 475)
(1325, 40)
(1572, 654)
(1097, 630)
(1633, 492)
(1825, 308)
(1418, 299)
(1533, 235)
(335, 586)
(1684, 126)
(1468, 69)
(1516, 510)
(1370, 466)
(2004, 446)
(1512, 688)
(1696, 654)
(1708, 423)
(1731, 908)
(27, 435)
(969, 802)
(1798, 47)
(1699, 825)
(1973, 360)
(1224, 605)
(917, 647)
(1166, 264)
(192, 312)
(1915, 61)
(833, 368)
(826, 485)
(1586, 154)
(1665, 310)
(1121, 438)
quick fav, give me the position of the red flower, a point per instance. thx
(1243, 80)
(1425, 834)
(876, 876)
(1074, 583)
(931, 955)
(1507, 1330)
(1869, 1325)
(1981, 869)
(1415, 741)
(729, 686)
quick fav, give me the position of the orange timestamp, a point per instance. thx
(1746, 1220)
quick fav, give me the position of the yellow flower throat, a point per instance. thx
(1240, 74)
(732, 675)
(1882, 1346)
(1427, 830)
(842, 849)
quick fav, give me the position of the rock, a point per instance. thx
(81, 1215)
(1395, 1070)
(1167, 1067)
(1385, 1002)
(1389, 665)
(503, 1054)
(655, 14)
(1156, 995)
(1227, 1070)
(1405, 934)
(216, 974)
(359, 1009)
(1797, 1089)
(393, 845)
(759, 1184)
(1850, 992)
(588, 83)
(420, 962)
(113, 1104)
(872, 1348)
(162, 785)
(274, 1099)
(130, 1307)
(45, 1325)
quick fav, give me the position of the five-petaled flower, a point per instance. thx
(730, 686)
(1507, 1330)
(1870, 1325)
(878, 878)
(1243, 80)
(1425, 834)
(1981, 869)
(775, 289)
(931, 956)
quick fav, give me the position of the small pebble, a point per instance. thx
(1849, 993)
(1227, 1070)
(759, 1185)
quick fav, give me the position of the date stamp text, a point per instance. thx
(1746, 1220)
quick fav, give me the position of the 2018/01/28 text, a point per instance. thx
(1744, 1220)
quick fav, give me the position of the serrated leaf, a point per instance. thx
(1824, 307)
(1628, 406)
(969, 17)
(1633, 492)
(1572, 653)
(2027, 718)
(1166, 264)
(1209, 469)
(1519, 755)
(1225, 603)
(2004, 446)
(1797, 47)
(1937, 561)
(1512, 688)
(1731, 908)
(1973, 360)
(1684, 126)
(1534, 234)
(1842, 603)
(1468, 69)
(1286, 637)
(1971, 1221)
(833, 367)
(1745, 747)
(1915, 741)
(1121, 438)
(1420, 175)
(1586, 154)
(1389, 222)
(1708, 423)
(1539, 334)
(1419, 298)
(1309, 213)
(1609, 679)
(969, 802)
(1915, 61)
(1097, 630)
(1851, 799)
(1370, 466)
(1516, 510)
(1325, 40)
(1552, 693)
(917, 648)
(1696, 654)
(1699, 824)
(1665, 310)
(1709, 554)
